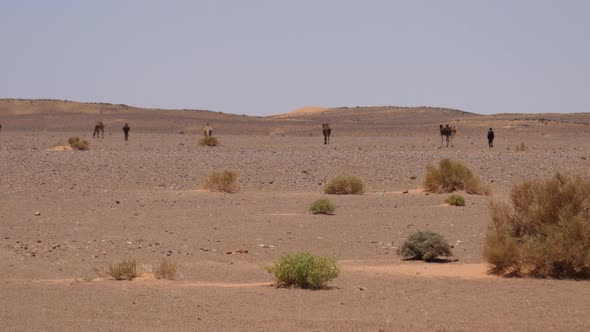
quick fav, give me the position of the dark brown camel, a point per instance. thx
(326, 130)
(98, 130)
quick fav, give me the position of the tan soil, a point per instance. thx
(60, 148)
(141, 199)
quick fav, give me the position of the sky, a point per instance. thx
(263, 57)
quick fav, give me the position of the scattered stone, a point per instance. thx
(406, 191)
(239, 251)
(37, 213)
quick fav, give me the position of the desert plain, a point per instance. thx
(65, 215)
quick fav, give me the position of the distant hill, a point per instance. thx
(62, 115)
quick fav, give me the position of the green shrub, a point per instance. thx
(209, 141)
(543, 231)
(455, 200)
(345, 185)
(304, 270)
(127, 269)
(166, 270)
(322, 206)
(425, 245)
(77, 144)
(225, 181)
(451, 176)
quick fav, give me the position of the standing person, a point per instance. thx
(126, 131)
(208, 130)
(490, 138)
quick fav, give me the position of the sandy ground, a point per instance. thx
(64, 215)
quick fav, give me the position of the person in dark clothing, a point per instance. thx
(126, 131)
(491, 138)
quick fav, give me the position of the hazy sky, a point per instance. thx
(271, 56)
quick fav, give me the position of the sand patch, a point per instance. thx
(148, 280)
(420, 269)
(286, 214)
(305, 110)
(60, 148)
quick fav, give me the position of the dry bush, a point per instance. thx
(322, 206)
(543, 231)
(455, 200)
(304, 270)
(166, 270)
(345, 185)
(209, 141)
(521, 147)
(425, 245)
(127, 269)
(78, 144)
(225, 181)
(451, 176)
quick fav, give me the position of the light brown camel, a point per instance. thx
(447, 133)
(208, 130)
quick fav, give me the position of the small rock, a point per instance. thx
(37, 213)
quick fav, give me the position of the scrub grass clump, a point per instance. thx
(78, 144)
(345, 185)
(209, 141)
(224, 181)
(322, 206)
(426, 246)
(127, 269)
(455, 200)
(304, 270)
(451, 176)
(543, 230)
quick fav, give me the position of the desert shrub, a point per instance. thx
(425, 245)
(225, 181)
(455, 200)
(450, 176)
(345, 185)
(322, 206)
(127, 269)
(304, 270)
(521, 147)
(166, 270)
(209, 141)
(543, 230)
(78, 144)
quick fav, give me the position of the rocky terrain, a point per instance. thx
(64, 215)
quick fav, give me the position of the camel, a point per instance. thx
(326, 130)
(448, 133)
(98, 129)
(208, 131)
